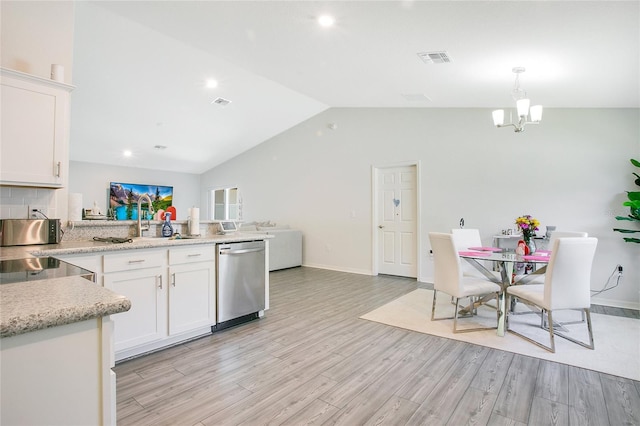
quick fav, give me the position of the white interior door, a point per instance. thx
(397, 224)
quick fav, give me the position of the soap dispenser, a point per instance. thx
(167, 229)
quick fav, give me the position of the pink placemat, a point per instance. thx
(534, 257)
(485, 248)
(474, 253)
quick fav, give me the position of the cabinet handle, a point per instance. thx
(136, 261)
(160, 278)
(173, 279)
(59, 168)
(194, 255)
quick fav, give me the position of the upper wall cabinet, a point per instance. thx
(35, 130)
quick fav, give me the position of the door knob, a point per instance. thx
(380, 226)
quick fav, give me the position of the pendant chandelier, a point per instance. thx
(526, 115)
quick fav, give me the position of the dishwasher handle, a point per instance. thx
(240, 251)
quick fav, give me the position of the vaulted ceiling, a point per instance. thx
(141, 67)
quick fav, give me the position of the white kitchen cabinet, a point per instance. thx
(172, 292)
(59, 376)
(140, 275)
(192, 289)
(34, 130)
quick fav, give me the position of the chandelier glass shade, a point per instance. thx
(526, 114)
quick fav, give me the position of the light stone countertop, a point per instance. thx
(88, 247)
(34, 305)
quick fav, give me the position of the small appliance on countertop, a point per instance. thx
(26, 232)
(227, 227)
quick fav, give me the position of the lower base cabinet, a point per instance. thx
(144, 322)
(172, 293)
(192, 296)
(59, 376)
(192, 288)
(141, 277)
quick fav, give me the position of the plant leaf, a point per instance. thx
(625, 218)
(626, 231)
(635, 162)
(632, 240)
(633, 195)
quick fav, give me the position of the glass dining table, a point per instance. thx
(505, 262)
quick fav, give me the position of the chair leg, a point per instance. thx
(455, 321)
(433, 308)
(455, 316)
(551, 334)
(433, 305)
(589, 345)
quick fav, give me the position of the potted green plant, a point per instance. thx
(634, 208)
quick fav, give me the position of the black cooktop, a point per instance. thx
(38, 268)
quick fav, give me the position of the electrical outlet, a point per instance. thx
(35, 211)
(32, 211)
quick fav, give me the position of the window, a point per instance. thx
(225, 204)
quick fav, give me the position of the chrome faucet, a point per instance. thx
(141, 227)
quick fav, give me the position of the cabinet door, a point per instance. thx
(33, 131)
(146, 320)
(192, 296)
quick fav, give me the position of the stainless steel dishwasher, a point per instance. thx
(241, 282)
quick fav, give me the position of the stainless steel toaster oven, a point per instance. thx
(26, 232)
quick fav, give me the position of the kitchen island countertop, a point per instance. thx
(35, 305)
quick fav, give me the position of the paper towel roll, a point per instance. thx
(75, 207)
(194, 221)
(57, 73)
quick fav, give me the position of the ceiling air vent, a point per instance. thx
(441, 57)
(221, 101)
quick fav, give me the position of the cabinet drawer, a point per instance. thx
(133, 259)
(199, 253)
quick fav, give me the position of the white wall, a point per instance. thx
(35, 35)
(92, 181)
(571, 171)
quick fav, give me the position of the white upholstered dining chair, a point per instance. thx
(567, 285)
(552, 239)
(448, 279)
(463, 240)
(566, 234)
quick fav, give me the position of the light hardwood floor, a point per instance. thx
(311, 360)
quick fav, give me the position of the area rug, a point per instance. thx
(617, 340)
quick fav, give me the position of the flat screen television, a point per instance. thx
(123, 198)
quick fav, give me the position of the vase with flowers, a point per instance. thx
(528, 225)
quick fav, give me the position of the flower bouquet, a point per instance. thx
(528, 225)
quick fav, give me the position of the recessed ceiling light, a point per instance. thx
(212, 84)
(326, 20)
(127, 153)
